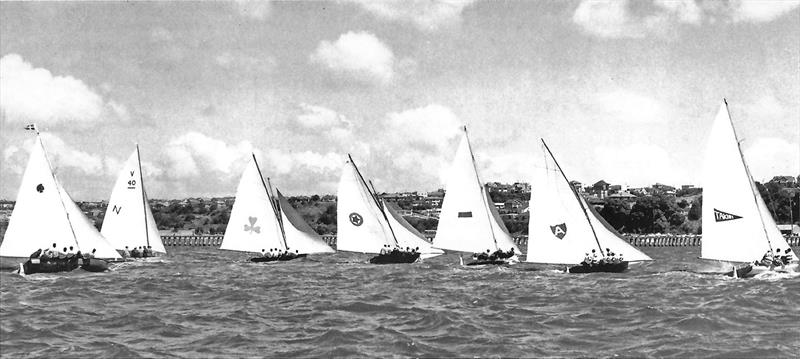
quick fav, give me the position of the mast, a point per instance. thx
(269, 193)
(577, 196)
(482, 187)
(754, 191)
(374, 198)
(144, 198)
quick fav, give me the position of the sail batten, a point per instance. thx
(466, 222)
(737, 226)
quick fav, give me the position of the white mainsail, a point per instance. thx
(253, 224)
(299, 235)
(562, 226)
(45, 214)
(407, 235)
(466, 222)
(361, 224)
(129, 221)
(737, 226)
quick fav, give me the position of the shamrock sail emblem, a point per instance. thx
(252, 227)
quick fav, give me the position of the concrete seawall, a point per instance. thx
(688, 240)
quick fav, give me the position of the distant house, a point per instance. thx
(623, 196)
(789, 228)
(784, 180)
(687, 186)
(615, 188)
(433, 201)
(663, 188)
(578, 186)
(600, 189)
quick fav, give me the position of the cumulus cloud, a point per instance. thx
(358, 54)
(253, 9)
(245, 63)
(194, 154)
(770, 156)
(32, 94)
(766, 107)
(622, 105)
(62, 156)
(424, 14)
(638, 19)
(320, 117)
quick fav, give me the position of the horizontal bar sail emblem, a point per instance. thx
(721, 216)
(464, 214)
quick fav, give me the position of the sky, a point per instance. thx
(624, 91)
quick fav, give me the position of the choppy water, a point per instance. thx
(200, 302)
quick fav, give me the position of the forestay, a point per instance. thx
(299, 235)
(253, 224)
(466, 223)
(129, 221)
(88, 237)
(736, 224)
(361, 225)
(407, 235)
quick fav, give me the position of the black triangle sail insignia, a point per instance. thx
(720, 216)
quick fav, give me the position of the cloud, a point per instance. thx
(245, 63)
(762, 10)
(193, 154)
(769, 156)
(766, 107)
(253, 9)
(663, 18)
(357, 54)
(622, 105)
(636, 165)
(427, 15)
(320, 117)
(160, 34)
(62, 156)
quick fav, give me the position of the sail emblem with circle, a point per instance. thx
(356, 219)
(252, 227)
(559, 230)
(720, 216)
(40, 188)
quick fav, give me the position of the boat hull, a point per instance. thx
(600, 268)
(275, 259)
(33, 266)
(395, 258)
(759, 269)
(487, 262)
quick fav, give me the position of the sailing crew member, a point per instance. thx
(787, 257)
(126, 253)
(587, 260)
(776, 259)
(52, 252)
(90, 255)
(594, 256)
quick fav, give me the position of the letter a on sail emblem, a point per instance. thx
(559, 230)
(720, 216)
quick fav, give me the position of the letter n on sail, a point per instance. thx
(720, 216)
(559, 230)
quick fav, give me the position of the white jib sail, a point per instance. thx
(128, 221)
(361, 226)
(39, 218)
(299, 235)
(734, 227)
(253, 224)
(88, 237)
(609, 238)
(407, 235)
(466, 223)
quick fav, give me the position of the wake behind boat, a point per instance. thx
(469, 222)
(129, 223)
(738, 228)
(266, 224)
(47, 232)
(565, 230)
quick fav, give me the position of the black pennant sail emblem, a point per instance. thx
(721, 216)
(559, 230)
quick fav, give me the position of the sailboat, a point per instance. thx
(44, 215)
(564, 229)
(469, 222)
(737, 226)
(367, 225)
(129, 221)
(259, 222)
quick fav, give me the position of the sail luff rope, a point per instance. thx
(144, 198)
(483, 189)
(375, 199)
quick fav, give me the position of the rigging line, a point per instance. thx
(283, 236)
(375, 199)
(55, 181)
(276, 210)
(753, 190)
(144, 198)
(577, 197)
(484, 193)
